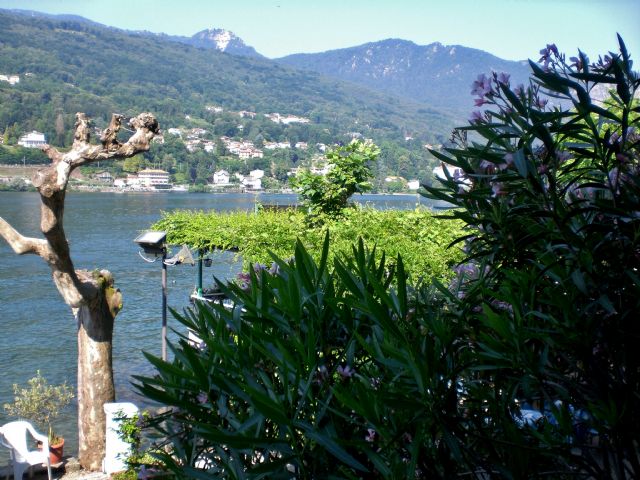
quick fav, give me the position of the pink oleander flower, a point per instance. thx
(498, 190)
(202, 398)
(503, 78)
(546, 52)
(346, 372)
(476, 116)
(562, 155)
(478, 102)
(576, 63)
(371, 435)
(487, 166)
(481, 86)
(508, 162)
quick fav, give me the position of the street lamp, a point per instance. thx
(153, 243)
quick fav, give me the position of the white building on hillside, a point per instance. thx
(250, 182)
(413, 184)
(221, 177)
(104, 177)
(32, 140)
(154, 178)
(12, 79)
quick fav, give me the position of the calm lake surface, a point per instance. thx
(38, 331)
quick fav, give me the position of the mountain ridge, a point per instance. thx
(434, 74)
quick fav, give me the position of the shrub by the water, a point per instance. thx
(551, 198)
(417, 235)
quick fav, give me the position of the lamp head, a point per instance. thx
(152, 241)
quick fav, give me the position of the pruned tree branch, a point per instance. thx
(83, 152)
(51, 183)
(20, 244)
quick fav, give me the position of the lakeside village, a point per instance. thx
(154, 180)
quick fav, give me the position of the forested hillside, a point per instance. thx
(68, 65)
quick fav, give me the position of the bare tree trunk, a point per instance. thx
(95, 372)
(92, 296)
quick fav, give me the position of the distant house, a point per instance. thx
(286, 119)
(32, 140)
(104, 177)
(133, 181)
(175, 131)
(274, 145)
(120, 183)
(12, 79)
(221, 177)
(256, 173)
(198, 132)
(250, 152)
(250, 182)
(413, 184)
(454, 172)
(154, 178)
(192, 145)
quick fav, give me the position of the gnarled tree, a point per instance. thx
(92, 296)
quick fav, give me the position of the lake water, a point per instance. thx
(37, 330)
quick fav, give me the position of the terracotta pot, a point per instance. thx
(55, 452)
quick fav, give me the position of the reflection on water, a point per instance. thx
(37, 330)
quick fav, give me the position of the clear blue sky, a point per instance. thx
(511, 29)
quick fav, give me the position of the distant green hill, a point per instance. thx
(68, 64)
(438, 75)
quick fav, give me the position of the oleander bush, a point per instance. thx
(547, 181)
(314, 373)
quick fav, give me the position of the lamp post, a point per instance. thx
(153, 242)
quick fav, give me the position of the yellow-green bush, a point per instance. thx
(417, 235)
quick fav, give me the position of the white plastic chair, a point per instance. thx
(13, 435)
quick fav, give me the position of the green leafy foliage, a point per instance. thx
(417, 235)
(551, 199)
(349, 172)
(316, 372)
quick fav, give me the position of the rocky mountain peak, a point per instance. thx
(219, 37)
(223, 41)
